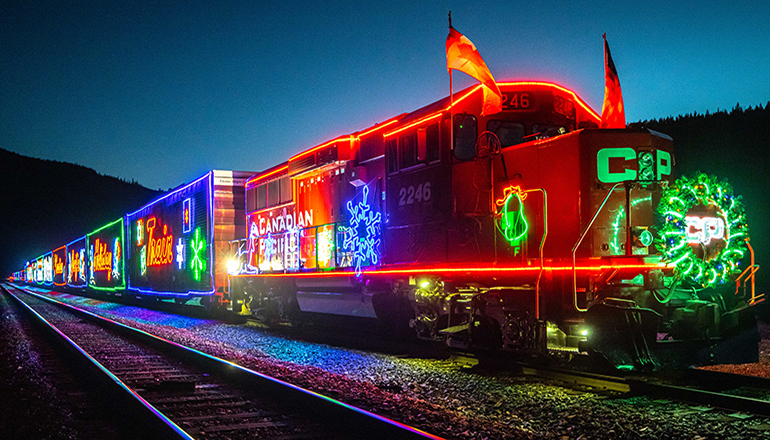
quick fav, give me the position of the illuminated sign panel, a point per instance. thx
(48, 268)
(170, 242)
(362, 236)
(106, 265)
(59, 266)
(39, 270)
(76, 263)
(280, 220)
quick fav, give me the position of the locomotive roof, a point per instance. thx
(440, 105)
(444, 103)
(405, 118)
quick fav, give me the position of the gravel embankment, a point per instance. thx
(438, 395)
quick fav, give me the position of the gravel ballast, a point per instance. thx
(439, 395)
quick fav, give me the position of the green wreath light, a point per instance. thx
(703, 229)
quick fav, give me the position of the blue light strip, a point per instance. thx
(210, 244)
(171, 193)
(210, 224)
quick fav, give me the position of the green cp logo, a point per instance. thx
(619, 164)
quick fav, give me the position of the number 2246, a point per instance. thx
(407, 195)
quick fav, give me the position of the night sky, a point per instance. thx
(161, 92)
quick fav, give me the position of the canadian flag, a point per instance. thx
(462, 55)
(613, 112)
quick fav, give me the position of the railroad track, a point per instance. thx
(177, 392)
(733, 392)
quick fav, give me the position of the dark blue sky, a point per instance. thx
(162, 91)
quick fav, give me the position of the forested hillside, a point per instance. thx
(45, 204)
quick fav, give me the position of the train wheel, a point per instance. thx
(293, 314)
(210, 303)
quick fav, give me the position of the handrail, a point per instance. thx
(542, 246)
(580, 240)
(748, 274)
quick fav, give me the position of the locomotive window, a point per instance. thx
(431, 140)
(465, 136)
(262, 196)
(273, 193)
(286, 190)
(251, 199)
(408, 150)
(392, 155)
(509, 133)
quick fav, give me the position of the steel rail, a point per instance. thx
(148, 415)
(602, 382)
(370, 425)
(689, 394)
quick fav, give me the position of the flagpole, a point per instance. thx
(451, 100)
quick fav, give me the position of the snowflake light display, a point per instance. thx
(363, 235)
(198, 263)
(703, 229)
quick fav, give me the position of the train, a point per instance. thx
(529, 231)
(174, 247)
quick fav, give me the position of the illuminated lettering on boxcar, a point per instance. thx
(106, 262)
(160, 250)
(102, 257)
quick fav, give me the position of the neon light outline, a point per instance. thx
(159, 250)
(614, 244)
(48, 268)
(703, 229)
(81, 250)
(325, 144)
(92, 279)
(325, 246)
(139, 231)
(188, 215)
(364, 248)
(376, 127)
(674, 241)
(210, 209)
(180, 254)
(266, 175)
(197, 264)
(117, 256)
(477, 271)
(63, 266)
(509, 227)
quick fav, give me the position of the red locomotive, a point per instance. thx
(525, 230)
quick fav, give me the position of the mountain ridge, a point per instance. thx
(44, 202)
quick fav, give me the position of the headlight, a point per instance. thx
(233, 266)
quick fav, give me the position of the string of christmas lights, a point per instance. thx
(703, 229)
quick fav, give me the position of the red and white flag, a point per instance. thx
(462, 55)
(613, 112)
